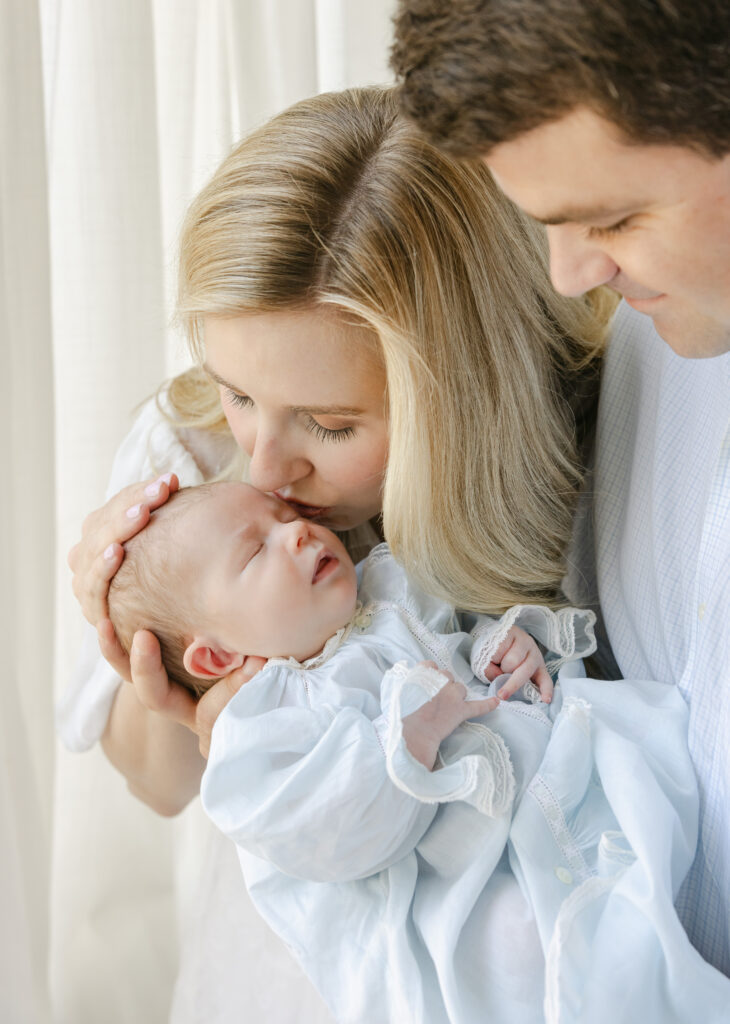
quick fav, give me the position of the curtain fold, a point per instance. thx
(27, 522)
(112, 115)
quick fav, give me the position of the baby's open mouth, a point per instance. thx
(326, 564)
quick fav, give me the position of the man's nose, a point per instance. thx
(576, 263)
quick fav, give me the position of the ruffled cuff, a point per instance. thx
(566, 634)
(484, 780)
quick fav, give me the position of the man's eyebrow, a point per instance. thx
(311, 410)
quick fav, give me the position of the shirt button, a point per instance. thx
(564, 876)
(701, 611)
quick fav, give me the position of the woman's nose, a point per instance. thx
(274, 466)
(577, 264)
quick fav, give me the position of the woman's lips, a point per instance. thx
(303, 509)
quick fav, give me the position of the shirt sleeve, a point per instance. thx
(150, 447)
(566, 635)
(307, 788)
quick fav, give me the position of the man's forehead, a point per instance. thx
(579, 169)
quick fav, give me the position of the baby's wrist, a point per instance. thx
(421, 738)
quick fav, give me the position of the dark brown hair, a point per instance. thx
(476, 73)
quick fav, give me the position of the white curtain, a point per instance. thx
(112, 114)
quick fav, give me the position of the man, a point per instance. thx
(609, 122)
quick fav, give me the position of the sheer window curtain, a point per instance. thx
(111, 117)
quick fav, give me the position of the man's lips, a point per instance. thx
(642, 302)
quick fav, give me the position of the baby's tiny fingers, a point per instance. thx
(514, 658)
(522, 674)
(482, 706)
(544, 683)
(493, 670)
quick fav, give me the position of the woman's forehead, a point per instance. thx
(311, 361)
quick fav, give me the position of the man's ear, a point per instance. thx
(207, 660)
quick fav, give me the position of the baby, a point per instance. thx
(225, 571)
(424, 869)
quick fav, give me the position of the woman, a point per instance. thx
(381, 339)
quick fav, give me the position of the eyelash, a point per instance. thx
(240, 401)
(323, 434)
(611, 230)
(320, 432)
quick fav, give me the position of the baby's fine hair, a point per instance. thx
(150, 588)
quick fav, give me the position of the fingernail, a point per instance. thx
(166, 478)
(152, 490)
(109, 553)
(133, 512)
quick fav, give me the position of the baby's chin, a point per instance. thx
(333, 627)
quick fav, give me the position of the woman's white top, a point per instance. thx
(412, 896)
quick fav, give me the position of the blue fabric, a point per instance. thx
(517, 883)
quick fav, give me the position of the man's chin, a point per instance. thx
(692, 335)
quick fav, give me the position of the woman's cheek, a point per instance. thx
(241, 427)
(363, 470)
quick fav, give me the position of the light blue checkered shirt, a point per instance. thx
(662, 541)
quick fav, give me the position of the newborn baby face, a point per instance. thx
(268, 582)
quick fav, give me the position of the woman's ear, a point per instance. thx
(206, 660)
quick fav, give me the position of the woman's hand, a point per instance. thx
(157, 693)
(99, 553)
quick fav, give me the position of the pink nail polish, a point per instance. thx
(133, 512)
(109, 553)
(166, 478)
(152, 490)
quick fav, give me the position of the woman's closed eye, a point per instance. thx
(239, 401)
(321, 432)
(327, 433)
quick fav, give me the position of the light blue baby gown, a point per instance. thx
(529, 878)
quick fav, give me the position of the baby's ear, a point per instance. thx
(206, 660)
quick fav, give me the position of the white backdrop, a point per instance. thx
(112, 114)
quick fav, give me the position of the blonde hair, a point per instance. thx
(152, 590)
(340, 202)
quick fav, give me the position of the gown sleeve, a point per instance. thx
(306, 788)
(566, 635)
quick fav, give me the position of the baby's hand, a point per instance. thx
(520, 655)
(425, 729)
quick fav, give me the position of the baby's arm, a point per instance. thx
(425, 729)
(307, 789)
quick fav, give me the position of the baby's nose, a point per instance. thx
(297, 533)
